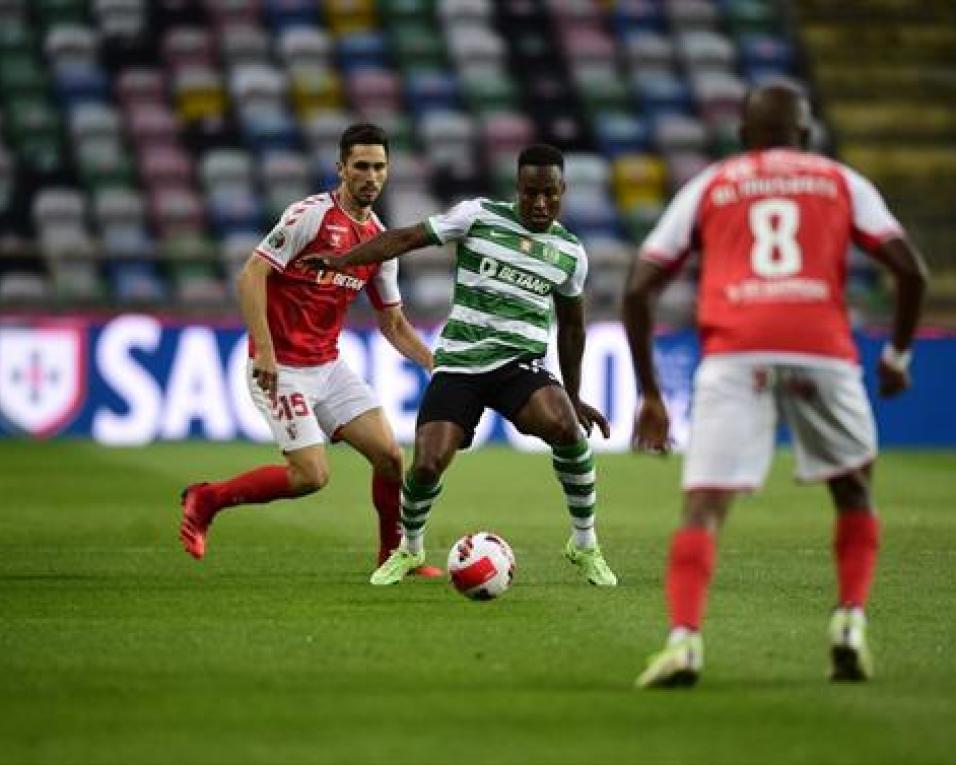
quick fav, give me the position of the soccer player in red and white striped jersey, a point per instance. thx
(308, 395)
(772, 228)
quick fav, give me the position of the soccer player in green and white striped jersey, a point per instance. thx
(515, 264)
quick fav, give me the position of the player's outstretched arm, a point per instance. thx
(395, 327)
(387, 245)
(569, 312)
(652, 425)
(251, 289)
(910, 275)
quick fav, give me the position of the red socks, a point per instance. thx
(385, 497)
(855, 544)
(693, 552)
(692, 555)
(262, 484)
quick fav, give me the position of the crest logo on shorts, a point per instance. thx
(42, 377)
(526, 245)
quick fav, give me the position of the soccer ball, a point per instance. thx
(481, 565)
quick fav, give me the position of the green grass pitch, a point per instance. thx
(115, 647)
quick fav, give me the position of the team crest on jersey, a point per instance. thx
(42, 378)
(277, 240)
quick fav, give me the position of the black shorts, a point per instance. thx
(462, 398)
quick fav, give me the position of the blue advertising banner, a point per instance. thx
(133, 379)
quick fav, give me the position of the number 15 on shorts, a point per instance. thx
(287, 407)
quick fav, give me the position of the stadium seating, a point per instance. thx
(889, 90)
(174, 133)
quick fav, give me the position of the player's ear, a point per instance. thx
(340, 169)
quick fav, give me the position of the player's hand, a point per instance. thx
(588, 416)
(266, 375)
(893, 380)
(651, 428)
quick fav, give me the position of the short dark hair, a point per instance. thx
(541, 154)
(361, 133)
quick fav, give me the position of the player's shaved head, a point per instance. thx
(775, 115)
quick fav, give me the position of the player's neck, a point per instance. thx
(358, 213)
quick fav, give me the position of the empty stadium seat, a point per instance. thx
(692, 14)
(165, 165)
(188, 46)
(120, 18)
(621, 133)
(314, 89)
(372, 89)
(226, 169)
(198, 93)
(309, 46)
(362, 49)
(283, 14)
(644, 48)
(234, 209)
(151, 123)
(136, 281)
(175, 211)
(94, 121)
(137, 84)
(244, 44)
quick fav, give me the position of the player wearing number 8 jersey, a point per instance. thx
(772, 228)
(294, 315)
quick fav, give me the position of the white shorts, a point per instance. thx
(312, 403)
(737, 402)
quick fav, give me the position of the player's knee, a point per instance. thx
(707, 508)
(563, 432)
(389, 463)
(309, 477)
(428, 469)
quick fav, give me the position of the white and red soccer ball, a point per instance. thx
(481, 565)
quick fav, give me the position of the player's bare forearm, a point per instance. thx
(909, 271)
(385, 246)
(251, 289)
(645, 281)
(571, 338)
(399, 332)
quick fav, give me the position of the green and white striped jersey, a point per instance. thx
(504, 279)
